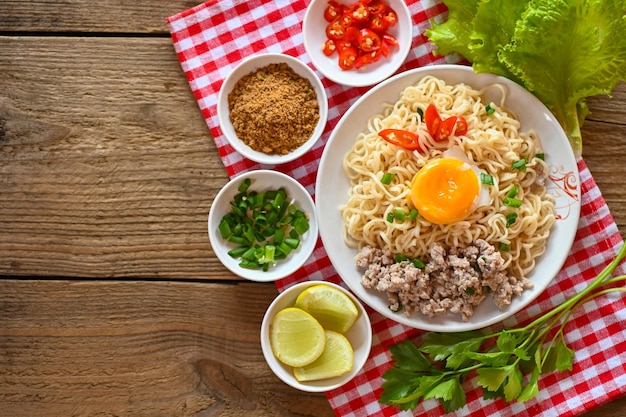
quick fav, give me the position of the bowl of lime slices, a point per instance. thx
(316, 336)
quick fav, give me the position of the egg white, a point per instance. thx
(484, 195)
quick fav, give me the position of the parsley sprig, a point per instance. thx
(508, 363)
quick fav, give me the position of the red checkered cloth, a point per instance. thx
(211, 38)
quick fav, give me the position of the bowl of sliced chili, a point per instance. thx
(262, 225)
(357, 43)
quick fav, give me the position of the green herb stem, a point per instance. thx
(436, 367)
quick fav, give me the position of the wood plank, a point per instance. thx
(115, 16)
(85, 348)
(104, 213)
(106, 164)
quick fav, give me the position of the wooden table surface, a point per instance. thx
(112, 302)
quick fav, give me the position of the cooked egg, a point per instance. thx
(447, 189)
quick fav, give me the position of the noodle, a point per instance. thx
(493, 143)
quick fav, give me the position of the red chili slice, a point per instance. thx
(330, 47)
(390, 40)
(333, 10)
(432, 120)
(359, 12)
(367, 58)
(377, 23)
(376, 7)
(403, 138)
(335, 30)
(390, 17)
(368, 40)
(347, 57)
(453, 124)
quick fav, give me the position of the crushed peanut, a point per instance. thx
(273, 110)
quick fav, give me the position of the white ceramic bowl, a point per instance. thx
(314, 34)
(359, 335)
(248, 66)
(332, 186)
(263, 180)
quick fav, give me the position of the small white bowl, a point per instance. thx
(248, 66)
(263, 180)
(359, 335)
(314, 35)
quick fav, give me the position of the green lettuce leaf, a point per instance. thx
(565, 51)
(496, 20)
(562, 51)
(453, 35)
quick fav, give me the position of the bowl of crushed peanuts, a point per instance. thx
(357, 43)
(272, 108)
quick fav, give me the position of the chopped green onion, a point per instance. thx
(512, 193)
(504, 247)
(490, 110)
(541, 156)
(265, 226)
(418, 263)
(387, 178)
(399, 214)
(245, 184)
(519, 165)
(224, 229)
(390, 217)
(470, 291)
(238, 251)
(413, 214)
(279, 236)
(300, 225)
(292, 243)
(512, 202)
(420, 113)
(510, 219)
(400, 258)
(486, 179)
(284, 248)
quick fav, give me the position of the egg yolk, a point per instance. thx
(444, 190)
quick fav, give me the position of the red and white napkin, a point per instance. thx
(213, 37)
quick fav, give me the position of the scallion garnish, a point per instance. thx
(266, 226)
(519, 165)
(387, 178)
(413, 214)
(504, 247)
(486, 179)
(399, 214)
(512, 202)
(490, 110)
(541, 156)
(510, 219)
(513, 191)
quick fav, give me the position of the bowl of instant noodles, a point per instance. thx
(272, 108)
(448, 200)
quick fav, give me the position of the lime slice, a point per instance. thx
(296, 338)
(331, 307)
(337, 359)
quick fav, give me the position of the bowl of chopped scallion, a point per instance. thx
(262, 225)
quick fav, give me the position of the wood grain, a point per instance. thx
(112, 302)
(107, 166)
(139, 349)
